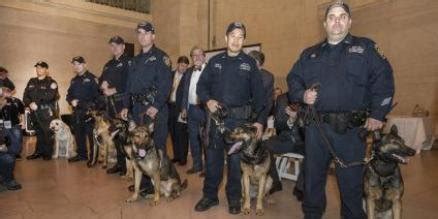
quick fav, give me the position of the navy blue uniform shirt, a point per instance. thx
(85, 89)
(234, 82)
(42, 92)
(353, 75)
(115, 73)
(150, 70)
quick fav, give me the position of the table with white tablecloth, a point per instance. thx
(416, 131)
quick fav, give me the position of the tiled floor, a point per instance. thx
(57, 189)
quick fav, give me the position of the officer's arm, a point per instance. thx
(26, 96)
(258, 95)
(381, 83)
(295, 82)
(69, 97)
(163, 83)
(268, 103)
(204, 83)
(185, 89)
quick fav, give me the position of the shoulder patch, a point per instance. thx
(166, 60)
(53, 85)
(379, 51)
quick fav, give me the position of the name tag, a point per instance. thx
(7, 124)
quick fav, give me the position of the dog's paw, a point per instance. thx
(246, 211)
(131, 199)
(154, 203)
(260, 212)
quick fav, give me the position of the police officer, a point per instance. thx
(41, 96)
(149, 72)
(231, 79)
(112, 83)
(81, 95)
(353, 76)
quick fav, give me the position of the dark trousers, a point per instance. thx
(178, 134)
(348, 147)
(83, 130)
(196, 119)
(7, 165)
(160, 132)
(44, 144)
(15, 135)
(113, 107)
(214, 166)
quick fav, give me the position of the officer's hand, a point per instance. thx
(33, 106)
(124, 114)
(259, 130)
(74, 102)
(212, 105)
(310, 96)
(152, 112)
(373, 124)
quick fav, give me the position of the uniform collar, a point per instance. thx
(239, 56)
(347, 40)
(151, 50)
(120, 58)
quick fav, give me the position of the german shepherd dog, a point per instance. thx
(103, 138)
(147, 159)
(255, 163)
(383, 182)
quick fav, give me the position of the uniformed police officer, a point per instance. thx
(353, 76)
(231, 79)
(149, 73)
(41, 96)
(112, 83)
(81, 95)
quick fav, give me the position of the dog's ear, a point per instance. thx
(394, 130)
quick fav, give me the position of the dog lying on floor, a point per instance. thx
(150, 161)
(255, 162)
(65, 144)
(103, 139)
(383, 182)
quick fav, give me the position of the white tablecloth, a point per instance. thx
(416, 131)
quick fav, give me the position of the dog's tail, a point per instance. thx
(184, 185)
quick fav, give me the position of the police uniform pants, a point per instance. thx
(350, 148)
(83, 130)
(214, 166)
(44, 144)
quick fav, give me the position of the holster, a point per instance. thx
(341, 122)
(147, 98)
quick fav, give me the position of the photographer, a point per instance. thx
(11, 113)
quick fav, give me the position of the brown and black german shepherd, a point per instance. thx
(255, 163)
(148, 160)
(383, 182)
(103, 139)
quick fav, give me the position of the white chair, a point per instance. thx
(283, 163)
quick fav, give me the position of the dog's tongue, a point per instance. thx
(235, 147)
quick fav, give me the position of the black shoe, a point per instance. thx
(202, 174)
(114, 169)
(174, 160)
(193, 171)
(298, 194)
(89, 164)
(12, 185)
(18, 157)
(76, 159)
(234, 209)
(182, 163)
(47, 158)
(122, 171)
(33, 156)
(205, 204)
(3, 188)
(275, 188)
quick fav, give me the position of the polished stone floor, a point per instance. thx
(57, 189)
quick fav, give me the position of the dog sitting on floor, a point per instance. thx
(255, 162)
(383, 182)
(104, 148)
(65, 144)
(148, 160)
